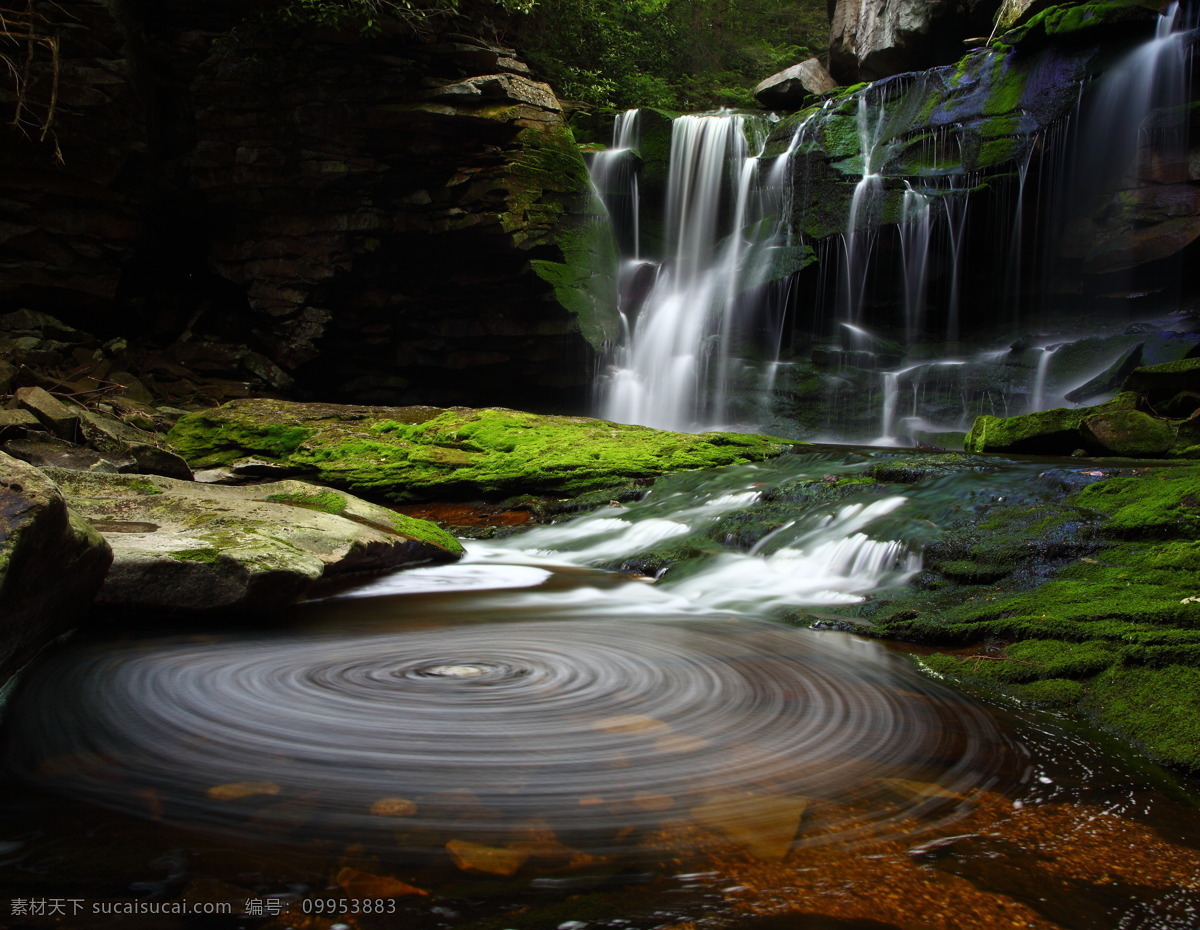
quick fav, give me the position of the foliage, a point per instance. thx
(367, 16)
(675, 54)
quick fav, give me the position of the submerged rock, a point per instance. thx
(186, 546)
(51, 563)
(423, 453)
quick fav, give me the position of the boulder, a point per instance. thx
(1046, 432)
(52, 563)
(869, 40)
(197, 548)
(422, 453)
(51, 412)
(1127, 432)
(1161, 383)
(791, 87)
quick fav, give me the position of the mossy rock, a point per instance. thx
(1161, 383)
(1101, 615)
(197, 548)
(425, 453)
(1046, 432)
(1126, 432)
(1069, 19)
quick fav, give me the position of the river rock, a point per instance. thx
(424, 453)
(191, 547)
(51, 563)
(791, 87)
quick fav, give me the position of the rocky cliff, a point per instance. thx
(383, 218)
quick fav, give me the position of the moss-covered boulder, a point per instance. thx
(190, 547)
(51, 563)
(1127, 432)
(1117, 428)
(1046, 432)
(1094, 605)
(425, 453)
(1160, 384)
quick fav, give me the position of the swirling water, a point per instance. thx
(526, 740)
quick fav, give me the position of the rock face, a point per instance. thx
(183, 546)
(791, 87)
(51, 564)
(367, 214)
(422, 453)
(872, 39)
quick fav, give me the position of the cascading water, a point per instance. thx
(726, 215)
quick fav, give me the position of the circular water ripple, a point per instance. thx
(598, 731)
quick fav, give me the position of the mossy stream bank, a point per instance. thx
(1087, 599)
(1069, 584)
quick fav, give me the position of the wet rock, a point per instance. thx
(191, 547)
(1109, 380)
(791, 87)
(52, 563)
(1127, 432)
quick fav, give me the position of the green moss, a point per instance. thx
(207, 442)
(1049, 432)
(490, 453)
(425, 531)
(1050, 692)
(205, 556)
(1120, 604)
(1159, 708)
(327, 501)
(1006, 87)
(144, 487)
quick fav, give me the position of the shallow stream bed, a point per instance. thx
(526, 740)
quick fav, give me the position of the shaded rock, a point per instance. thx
(56, 416)
(1160, 383)
(415, 453)
(1109, 380)
(17, 423)
(1127, 432)
(51, 563)
(113, 437)
(191, 547)
(869, 40)
(789, 88)
(45, 451)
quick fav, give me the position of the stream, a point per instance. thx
(535, 739)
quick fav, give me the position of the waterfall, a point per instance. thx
(1118, 113)
(860, 231)
(726, 215)
(614, 175)
(915, 228)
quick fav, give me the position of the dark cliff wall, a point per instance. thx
(384, 219)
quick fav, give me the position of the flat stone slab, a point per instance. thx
(186, 546)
